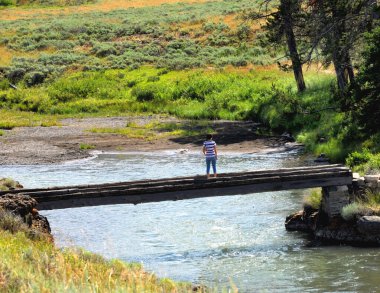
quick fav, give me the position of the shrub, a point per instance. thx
(352, 211)
(34, 78)
(11, 223)
(143, 94)
(364, 162)
(8, 183)
(103, 50)
(313, 199)
(358, 158)
(4, 84)
(6, 2)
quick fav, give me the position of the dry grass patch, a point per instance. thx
(15, 13)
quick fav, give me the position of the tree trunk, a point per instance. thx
(350, 70)
(341, 76)
(286, 9)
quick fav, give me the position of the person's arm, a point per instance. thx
(216, 152)
(204, 150)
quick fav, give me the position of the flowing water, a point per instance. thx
(221, 242)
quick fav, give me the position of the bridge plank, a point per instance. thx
(189, 178)
(134, 192)
(190, 194)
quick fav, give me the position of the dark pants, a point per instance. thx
(212, 161)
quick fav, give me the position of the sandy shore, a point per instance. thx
(47, 145)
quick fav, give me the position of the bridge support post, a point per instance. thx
(334, 198)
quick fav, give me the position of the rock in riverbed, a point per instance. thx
(363, 232)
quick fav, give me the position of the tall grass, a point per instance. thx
(37, 266)
(13, 118)
(368, 205)
(263, 96)
(313, 199)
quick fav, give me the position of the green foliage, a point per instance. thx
(85, 146)
(313, 199)
(8, 183)
(4, 84)
(6, 2)
(364, 162)
(135, 37)
(11, 223)
(358, 158)
(36, 263)
(367, 107)
(352, 211)
(368, 205)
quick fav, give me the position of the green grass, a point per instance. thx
(85, 146)
(36, 265)
(268, 96)
(156, 130)
(368, 205)
(265, 96)
(174, 36)
(13, 118)
(313, 199)
(8, 183)
(364, 162)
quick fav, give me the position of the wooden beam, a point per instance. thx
(111, 198)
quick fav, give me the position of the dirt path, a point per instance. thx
(46, 145)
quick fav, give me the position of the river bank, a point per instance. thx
(76, 139)
(30, 259)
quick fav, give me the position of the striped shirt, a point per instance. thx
(209, 146)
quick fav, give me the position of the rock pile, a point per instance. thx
(362, 184)
(24, 206)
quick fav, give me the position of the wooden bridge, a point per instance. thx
(179, 188)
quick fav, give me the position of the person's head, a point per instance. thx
(209, 137)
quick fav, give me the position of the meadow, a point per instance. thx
(193, 60)
(172, 36)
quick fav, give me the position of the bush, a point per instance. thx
(358, 158)
(11, 223)
(364, 162)
(34, 78)
(6, 2)
(144, 94)
(313, 199)
(352, 211)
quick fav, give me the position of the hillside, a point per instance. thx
(42, 43)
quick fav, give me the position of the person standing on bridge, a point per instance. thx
(211, 154)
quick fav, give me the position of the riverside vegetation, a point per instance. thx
(31, 263)
(200, 60)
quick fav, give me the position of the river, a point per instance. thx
(221, 242)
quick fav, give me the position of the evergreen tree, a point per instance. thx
(281, 27)
(336, 27)
(368, 94)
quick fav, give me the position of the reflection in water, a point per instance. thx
(239, 239)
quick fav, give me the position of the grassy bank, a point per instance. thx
(262, 94)
(265, 95)
(37, 266)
